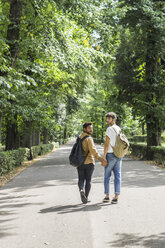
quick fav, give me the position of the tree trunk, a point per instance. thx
(102, 128)
(45, 134)
(0, 127)
(152, 118)
(26, 139)
(143, 129)
(65, 132)
(14, 28)
(153, 134)
(36, 138)
(12, 139)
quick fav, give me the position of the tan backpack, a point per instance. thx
(121, 145)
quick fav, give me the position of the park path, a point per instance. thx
(41, 207)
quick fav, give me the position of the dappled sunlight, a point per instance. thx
(139, 174)
(136, 240)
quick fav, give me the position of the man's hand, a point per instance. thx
(104, 162)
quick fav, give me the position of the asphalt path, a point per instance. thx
(41, 207)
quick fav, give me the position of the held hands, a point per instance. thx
(104, 162)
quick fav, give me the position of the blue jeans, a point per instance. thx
(114, 164)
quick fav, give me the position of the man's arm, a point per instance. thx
(92, 149)
(94, 152)
(106, 145)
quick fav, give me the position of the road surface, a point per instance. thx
(41, 207)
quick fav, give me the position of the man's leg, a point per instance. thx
(88, 176)
(117, 179)
(107, 173)
(81, 179)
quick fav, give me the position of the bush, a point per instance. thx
(138, 138)
(7, 162)
(158, 154)
(143, 138)
(140, 150)
(42, 149)
(35, 151)
(2, 148)
(22, 154)
(163, 138)
(98, 141)
(45, 148)
(55, 144)
(10, 159)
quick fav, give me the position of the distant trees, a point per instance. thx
(139, 64)
(44, 55)
(64, 62)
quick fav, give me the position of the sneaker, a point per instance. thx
(83, 197)
(114, 201)
(106, 199)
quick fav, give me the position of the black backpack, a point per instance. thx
(77, 157)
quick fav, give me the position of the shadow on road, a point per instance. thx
(55, 167)
(73, 208)
(139, 174)
(134, 240)
(9, 211)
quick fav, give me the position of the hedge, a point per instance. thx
(10, 159)
(98, 141)
(143, 138)
(45, 148)
(163, 138)
(138, 138)
(140, 151)
(35, 151)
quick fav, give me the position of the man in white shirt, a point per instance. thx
(114, 163)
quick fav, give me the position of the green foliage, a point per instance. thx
(139, 63)
(53, 54)
(7, 162)
(138, 138)
(163, 138)
(10, 159)
(45, 148)
(72, 65)
(140, 151)
(20, 155)
(35, 151)
(42, 149)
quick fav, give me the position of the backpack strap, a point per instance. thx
(116, 130)
(86, 136)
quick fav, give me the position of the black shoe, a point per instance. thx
(114, 201)
(83, 197)
(106, 199)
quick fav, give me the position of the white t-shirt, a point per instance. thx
(111, 133)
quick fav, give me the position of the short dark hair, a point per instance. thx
(86, 124)
(111, 114)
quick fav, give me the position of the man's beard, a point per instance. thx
(88, 133)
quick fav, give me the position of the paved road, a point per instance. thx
(41, 207)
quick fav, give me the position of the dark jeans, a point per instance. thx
(85, 172)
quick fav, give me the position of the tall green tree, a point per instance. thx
(139, 66)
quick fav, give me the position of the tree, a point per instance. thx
(139, 68)
(43, 62)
